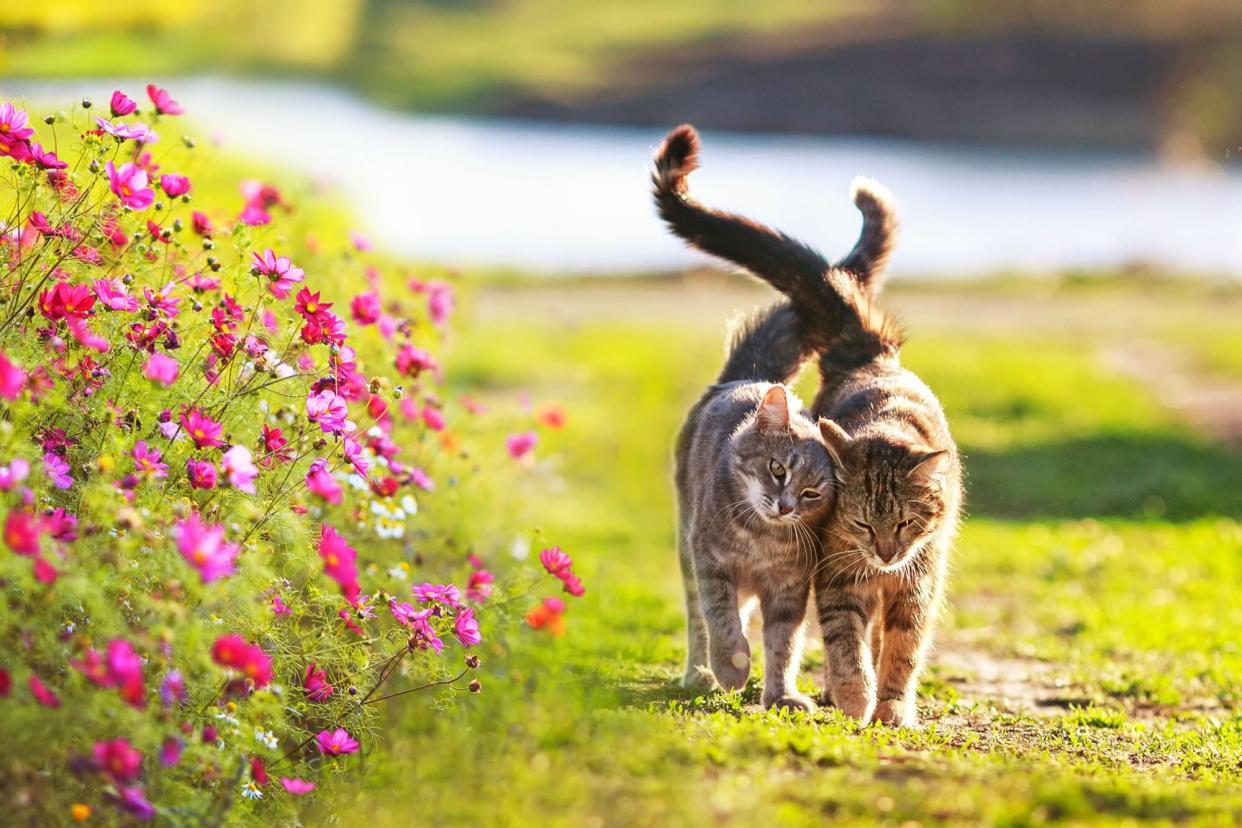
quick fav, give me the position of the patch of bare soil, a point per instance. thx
(1211, 404)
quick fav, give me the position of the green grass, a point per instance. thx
(1103, 546)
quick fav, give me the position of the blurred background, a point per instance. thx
(1015, 134)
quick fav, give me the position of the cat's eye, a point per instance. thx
(810, 494)
(906, 524)
(778, 471)
(866, 527)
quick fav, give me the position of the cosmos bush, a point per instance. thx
(237, 511)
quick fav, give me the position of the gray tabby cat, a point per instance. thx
(880, 578)
(754, 483)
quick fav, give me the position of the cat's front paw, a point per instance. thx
(698, 677)
(732, 667)
(855, 701)
(896, 712)
(790, 701)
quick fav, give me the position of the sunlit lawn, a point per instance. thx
(1102, 543)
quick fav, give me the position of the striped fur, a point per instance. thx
(879, 580)
(744, 531)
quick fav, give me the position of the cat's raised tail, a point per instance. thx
(832, 302)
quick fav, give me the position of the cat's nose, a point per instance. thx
(885, 551)
(783, 509)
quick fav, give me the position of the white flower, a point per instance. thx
(266, 738)
(520, 548)
(252, 791)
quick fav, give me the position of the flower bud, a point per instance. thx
(128, 279)
(177, 225)
(476, 686)
(188, 141)
(86, 103)
(472, 661)
(49, 120)
(208, 244)
(353, 691)
(94, 165)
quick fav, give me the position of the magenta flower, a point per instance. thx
(439, 302)
(328, 410)
(239, 468)
(466, 627)
(13, 473)
(118, 759)
(520, 445)
(366, 308)
(315, 683)
(129, 183)
(424, 636)
(203, 430)
(170, 751)
(58, 471)
(202, 474)
(279, 270)
(172, 688)
(413, 361)
(336, 742)
(234, 651)
(297, 787)
(164, 104)
(42, 694)
(446, 594)
(174, 185)
(12, 378)
(204, 547)
(479, 587)
(45, 159)
(121, 104)
(280, 607)
(133, 801)
(321, 483)
(14, 125)
(555, 561)
(21, 532)
(161, 368)
(113, 296)
(339, 562)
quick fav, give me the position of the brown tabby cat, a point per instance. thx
(880, 578)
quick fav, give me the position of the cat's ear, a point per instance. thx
(773, 413)
(835, 439)
(929, 467)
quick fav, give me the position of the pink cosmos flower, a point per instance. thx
(42, 694)
(439, 302)
(174, 185)
(315, 683)
(466, 627)
(133, 801)
(203, 430)
(12, 378)
(321, 483)
(366, 308)
(21, 532)
(446, 594)
(121, 104)
(338, 562)
(86, 337)
(279, 270)
(129, 183)
(13, 473)
(125, 672)
(297, 787)
(45, 159)
(164, 104)
(204, 547)
(555, 561)
(147, 461)
(113, 296)
(170, 751)
(66, 300)
(239, 468)
(329, 411)
(520, 445)
(356, 455)
(57, 470)
(44, 572)
(202, 474)
(433, 418)
(234, 651)
(336, 742)
(118, 759)
(172, 689)
(479, 587)
(573, 585)
(201, 223)
(14, 123)
(254, 215)
(413, 361)
(162, 368)
(424, 636)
